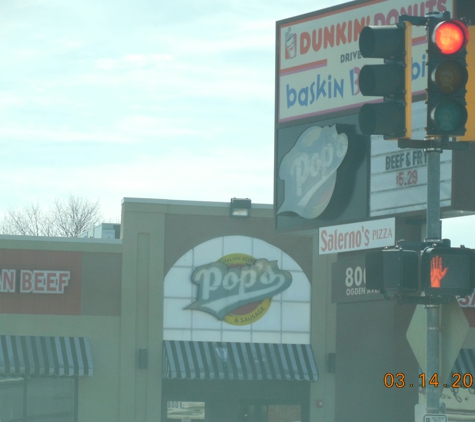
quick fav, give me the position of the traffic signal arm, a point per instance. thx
(408, 79)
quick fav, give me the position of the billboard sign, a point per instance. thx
(318, 57)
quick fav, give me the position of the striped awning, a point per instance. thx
(200, 360)
(45, 356)
(465, 363)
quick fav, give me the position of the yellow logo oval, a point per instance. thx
(252, 312)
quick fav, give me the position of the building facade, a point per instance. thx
(196, 315)
(191, 314)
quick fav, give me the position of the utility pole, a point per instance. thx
(433, 234)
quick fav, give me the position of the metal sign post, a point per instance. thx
(433, 310)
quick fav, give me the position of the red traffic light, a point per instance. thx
(447, 77)
(450, 36)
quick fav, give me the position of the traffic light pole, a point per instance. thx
(433, 233)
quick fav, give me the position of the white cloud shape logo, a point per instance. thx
(309, 170)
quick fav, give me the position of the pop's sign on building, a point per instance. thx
(357, 236)
(223, 289)
(318, 57)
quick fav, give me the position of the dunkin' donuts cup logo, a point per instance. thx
(238, 288)
(290, 45)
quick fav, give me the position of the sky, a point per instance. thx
(139, 98)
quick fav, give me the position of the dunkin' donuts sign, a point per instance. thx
(238, 288)
(318, 57)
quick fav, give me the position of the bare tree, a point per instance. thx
(66, 218)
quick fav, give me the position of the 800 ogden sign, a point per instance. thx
(349, 280)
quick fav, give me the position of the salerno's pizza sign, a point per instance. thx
(238, 288)
(34, 281)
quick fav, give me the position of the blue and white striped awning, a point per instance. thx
(45, 356)
(200, 360)
(465, 363)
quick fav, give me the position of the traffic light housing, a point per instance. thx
(392, 271)
(470, 95)
(391, 80)
(447, 77)
(447, 271)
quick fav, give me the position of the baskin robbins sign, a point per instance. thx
(236, 287)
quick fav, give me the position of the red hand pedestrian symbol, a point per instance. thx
(436, 271)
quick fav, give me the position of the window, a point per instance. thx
(38, 399)
(266, 412)
(185, 410)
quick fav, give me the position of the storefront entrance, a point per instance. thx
(235, 401)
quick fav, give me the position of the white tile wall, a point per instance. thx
(208, 252)
(236, 336)
(295, 316)
(175, 315)
(300, 289)
(263, 337)
(183, 335)
(233, 244)
(204, 320)
(186, 260)
(206, 335)
(178, 282)
(295, 338)
(272, 320)
(261, 249)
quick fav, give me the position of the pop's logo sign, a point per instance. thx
(238, 288)
(309, 170)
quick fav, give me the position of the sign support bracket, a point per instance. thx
(438, 143)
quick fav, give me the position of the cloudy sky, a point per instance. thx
(119, 98)
(138, 98)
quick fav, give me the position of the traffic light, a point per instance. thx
(391, 80)
(392, 271)
(447, 271)
(447, 77)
